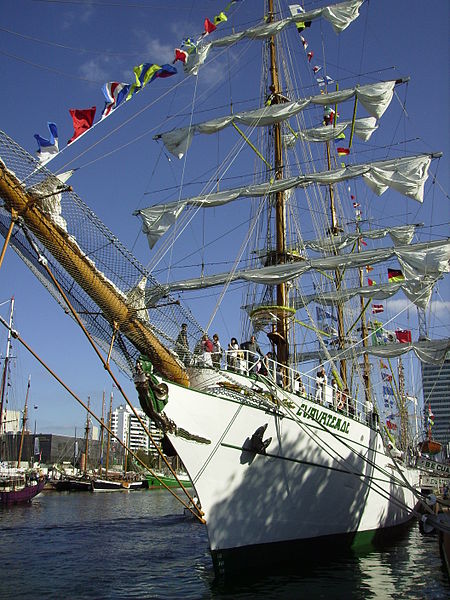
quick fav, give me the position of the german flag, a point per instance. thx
(395, 275)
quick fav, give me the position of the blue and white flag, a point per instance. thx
(388, 391)
(323, 314)
(48, 148)
(114, 93)
(324, 80)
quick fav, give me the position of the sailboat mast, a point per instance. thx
(108, 443)
(24, 422)
(402, 408)
(86, 442)
(335, 229)
(102, 433)
(280, 212)
(6, 365)
(364, 330)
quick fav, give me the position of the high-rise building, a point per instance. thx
(129, 430)
(436, 393)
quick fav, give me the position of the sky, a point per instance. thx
(56, 55)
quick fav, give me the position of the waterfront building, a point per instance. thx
(436, 393)
(129, 430)
(48, 448)
(12, 422)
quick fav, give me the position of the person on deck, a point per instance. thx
(204, 349)
(321, 382)
(207, 350)
(182, 344)
(217, 351)
(368, 408)
(253, 353)
(345, 397)
(232, 355)
(335, 392)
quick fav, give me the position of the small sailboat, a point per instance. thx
(17, 485)
(429, 445)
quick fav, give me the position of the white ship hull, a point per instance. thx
(319, 478)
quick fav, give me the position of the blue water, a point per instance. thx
(139, 545)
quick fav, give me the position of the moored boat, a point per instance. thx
(19, 488)
(106, 485)
(158, 479)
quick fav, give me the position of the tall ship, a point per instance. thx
(294, 430)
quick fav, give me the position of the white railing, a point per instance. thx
(245, 362)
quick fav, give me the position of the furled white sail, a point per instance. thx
(417, 290)
(400, 235)
(428, 351)
(339, 15)
(47, 192)
(423, 259)
(406, 175)
(375, 97)
(363, 130)
(136, 300)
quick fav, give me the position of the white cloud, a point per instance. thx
(96, 69)
(73, 18)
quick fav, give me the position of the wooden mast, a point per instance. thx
(335, 229)
(66, 251)
(6, 365)
(280, 216)
(101, 434)
(108, 443)
(402, 408)
(364, 330)
(86, 439)
(24, 423)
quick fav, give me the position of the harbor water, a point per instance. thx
(140, 545)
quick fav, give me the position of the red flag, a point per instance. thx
(353, 197)
(310, 55)
(304, 42)
(371, 282)
(362, 241)
(180, 55)
(343, 151)
(404, 337)
(391, 425)
(82, 121)
(316, 69)
(209, 27)
(377, 308)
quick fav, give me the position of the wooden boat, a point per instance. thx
(430, 447)
(106, 485)
(19, 489)
(155, 482)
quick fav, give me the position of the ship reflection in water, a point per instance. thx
(149, 549)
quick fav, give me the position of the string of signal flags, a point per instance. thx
(116, 93)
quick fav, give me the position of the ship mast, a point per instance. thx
(280, 218)
(364, 330)
(4, 385)
(24, 423)
(402, 408)
(335, 229)
(108, 444)
(86, 447)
